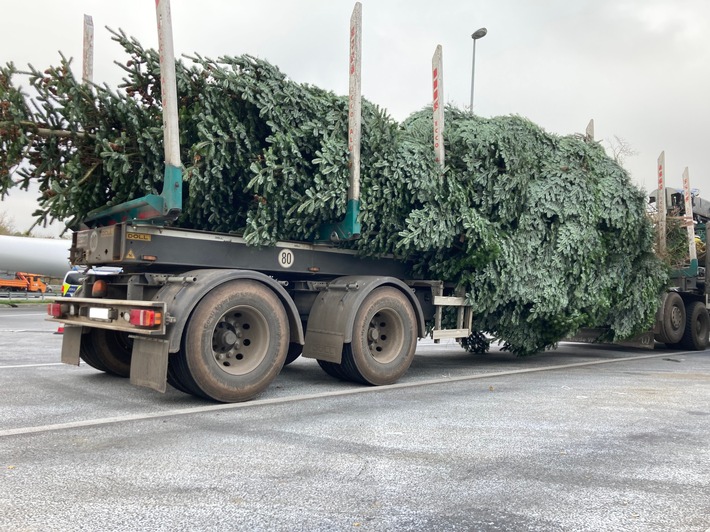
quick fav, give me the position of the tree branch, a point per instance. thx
(46, 132)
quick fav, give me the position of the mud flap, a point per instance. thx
(71, 343)
(149, 363)
(324, 345)
(642, 341)
(591, 336)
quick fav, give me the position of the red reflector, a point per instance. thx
(99, 289)
(54, 310)
(144, 318)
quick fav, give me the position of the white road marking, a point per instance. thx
(307, 397)
(43, 331)
(22, 316)
(32, 365)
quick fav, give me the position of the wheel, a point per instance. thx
(294, 351)
(179, 376)
(175, 379)
(384, 338)
(236, 341)
(108, 351)
(697, 327)
(335, 370)
(671, 318)
(87, 353)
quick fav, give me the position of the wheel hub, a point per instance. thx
(384, 336)
(373, 333)
(240, 340)
(675, 317)
(226, 338)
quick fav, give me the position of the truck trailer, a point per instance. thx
(216, 318)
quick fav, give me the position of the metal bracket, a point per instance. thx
(152, 208)
(464, 317)
(348, 229)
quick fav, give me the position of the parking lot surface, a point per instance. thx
(580, 438)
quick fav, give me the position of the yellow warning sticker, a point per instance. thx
(130, 254)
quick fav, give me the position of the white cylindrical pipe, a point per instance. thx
(43, 256)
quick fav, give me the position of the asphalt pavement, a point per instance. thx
(580, 438)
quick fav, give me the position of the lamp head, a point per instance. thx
(479, 33)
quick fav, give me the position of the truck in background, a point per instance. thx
(25, 282)
(683, 319)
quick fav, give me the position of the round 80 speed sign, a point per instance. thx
(285, 258)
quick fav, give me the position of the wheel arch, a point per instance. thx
(331, 320)
(182, 298)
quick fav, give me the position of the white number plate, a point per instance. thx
(99, 313)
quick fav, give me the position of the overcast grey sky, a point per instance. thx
(640, 68)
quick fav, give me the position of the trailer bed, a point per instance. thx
(137, 247)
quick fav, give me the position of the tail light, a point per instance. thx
(54, 310)
(145, 318)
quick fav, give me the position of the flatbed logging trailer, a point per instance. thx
(216, 318)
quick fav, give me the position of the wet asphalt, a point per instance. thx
(580, 438)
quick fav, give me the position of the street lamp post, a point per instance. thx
(478, 34)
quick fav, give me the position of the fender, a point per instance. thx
(182, 298)
(331, 320)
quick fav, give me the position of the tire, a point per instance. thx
(335, 370)
(236, 341)
(672, 319)
(294, 351)
(384, 338)
(108, 351)
(176, 377)
(179, 376)
(87, 353)
(697, 327)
